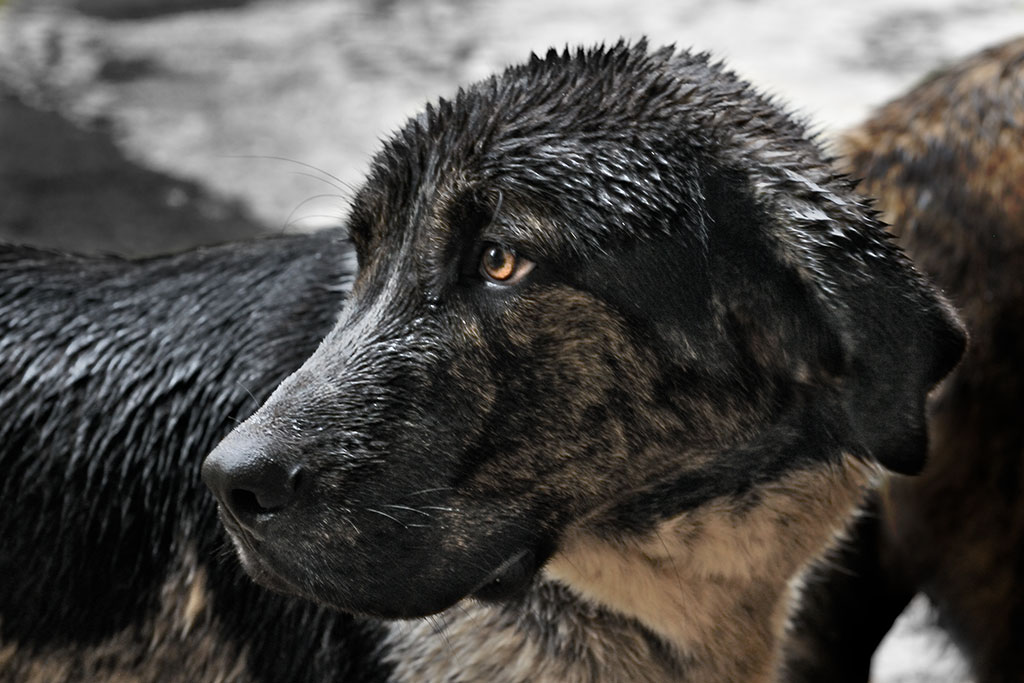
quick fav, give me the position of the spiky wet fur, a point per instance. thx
(692, 390)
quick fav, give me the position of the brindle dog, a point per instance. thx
(621, 358)
(946, 161)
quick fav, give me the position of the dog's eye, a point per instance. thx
(501, 265)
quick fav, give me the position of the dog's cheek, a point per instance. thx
(469, 374)
(570, 390)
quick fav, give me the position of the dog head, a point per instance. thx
(602, 288)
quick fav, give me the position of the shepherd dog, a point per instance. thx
(623, 356)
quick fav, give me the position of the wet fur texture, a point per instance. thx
(116, 378)
(716, 353)
(947, 164)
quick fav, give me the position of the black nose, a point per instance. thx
(248, 482)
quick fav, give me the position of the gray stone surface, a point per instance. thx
(69, 187)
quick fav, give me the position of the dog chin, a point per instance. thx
(508, 580)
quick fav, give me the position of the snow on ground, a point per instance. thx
(917, 652)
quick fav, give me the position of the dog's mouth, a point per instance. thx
(511, 578)
(252, 560)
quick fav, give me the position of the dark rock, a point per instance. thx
(141, 9)
(65, 187)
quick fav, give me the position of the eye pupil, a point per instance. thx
(499, 263)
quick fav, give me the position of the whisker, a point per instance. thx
(341, 183)
(304, 202)
(405, 507)
(441, 630)
(352, 524)
(333, 217)
(384, 514)
(672, 562)
(251, 395)
(325, 181)
(424, 491)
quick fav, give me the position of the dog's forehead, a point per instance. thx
(582, 151)
(601, 141)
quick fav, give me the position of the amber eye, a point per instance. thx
(501, 265)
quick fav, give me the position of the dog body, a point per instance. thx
(964, 225)
(620, 335)
(947, 165)
(116, 377)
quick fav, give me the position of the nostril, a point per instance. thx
(273, 495)
(247, 504)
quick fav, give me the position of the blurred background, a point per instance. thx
(142, 126)
(147, 126)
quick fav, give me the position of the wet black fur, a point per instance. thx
(116, 378)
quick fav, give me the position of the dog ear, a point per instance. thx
(900, 337)
(839, 297)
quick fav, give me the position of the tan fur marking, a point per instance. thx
(558, 639)
(195, 603)
(714, 582)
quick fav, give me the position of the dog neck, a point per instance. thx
(703, 599)
(716, 583)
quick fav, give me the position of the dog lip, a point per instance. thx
(236, 527)
(243, 537)
(236, 531)
(230, 522)
(256, 563)
(510, 578)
